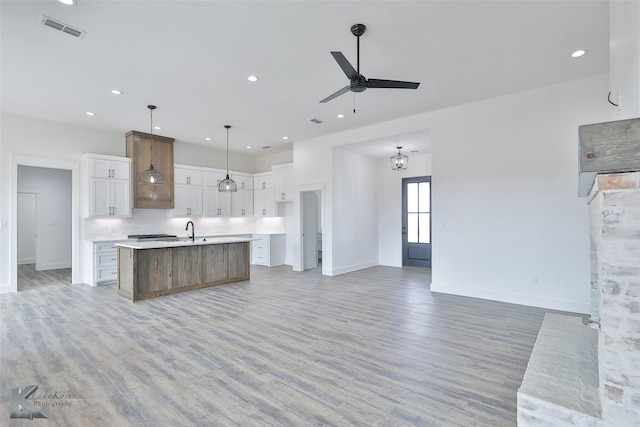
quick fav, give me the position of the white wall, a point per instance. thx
(389, 184)
(355, 204)
(54, 213)
(505, 179)
(624, 53)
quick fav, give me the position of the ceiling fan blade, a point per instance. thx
(337, 94)
(391, 84)
(344, 64)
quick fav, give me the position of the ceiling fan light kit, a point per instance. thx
(357, 82)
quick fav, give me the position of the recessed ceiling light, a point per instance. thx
(252, 78)
(157, 128)
(207, 139)
(68, 2)
(340, 116)
(285, 137)
(89, 113)
(578, 53)
(248, 147)
(116, 92)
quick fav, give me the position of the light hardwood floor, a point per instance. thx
(369, 348)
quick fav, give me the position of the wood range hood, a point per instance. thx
(142, 153)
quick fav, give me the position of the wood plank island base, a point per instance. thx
(152, 269)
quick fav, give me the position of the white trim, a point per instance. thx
(54, 266)
(74, 167)
(353, 267)
(520, 299)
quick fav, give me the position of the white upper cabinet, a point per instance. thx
(188, 191)
(283, 185)
(243, 181)
(108, 186)
(216, 203)
(263, 203)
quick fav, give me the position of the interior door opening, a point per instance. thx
(311, 229)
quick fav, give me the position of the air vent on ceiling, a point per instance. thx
(265, 147)
(60, 26)
(316, 121)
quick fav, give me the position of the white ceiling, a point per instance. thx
(192, 59)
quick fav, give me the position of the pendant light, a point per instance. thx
(399, 161)
(227, 184)
(151, 175)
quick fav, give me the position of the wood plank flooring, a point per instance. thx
(369, 348)
(29, 278)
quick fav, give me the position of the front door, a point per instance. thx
(416, 221)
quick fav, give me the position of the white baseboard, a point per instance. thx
(26, 261)
(353, 267)
(5, 289)
(529, 300)
(53, 266)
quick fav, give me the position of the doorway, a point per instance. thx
(44, 242)
(311, 230)
(416, 221)
(71, 167)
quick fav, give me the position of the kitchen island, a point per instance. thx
(156, 268)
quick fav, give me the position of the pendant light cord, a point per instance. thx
(227, 128)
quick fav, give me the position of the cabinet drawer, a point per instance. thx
(105, 247)
(107, 274)
(106, 259)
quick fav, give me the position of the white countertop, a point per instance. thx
(157, 244)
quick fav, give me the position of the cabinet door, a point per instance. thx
(283, 186)
(263, 203)
(120, 198)
(195, 200)
(100, 168)
(224, 202)
(238, 260)
(101, 197)
(214, 264)
(181, 200)
(242, 203)
(181, 176)
(120, 170)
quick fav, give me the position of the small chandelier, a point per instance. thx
(151, 175)
(399, 161)
(227, 184)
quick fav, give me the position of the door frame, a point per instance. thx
(76, 253)
(405, 181)
(298, 261)
(37, 193)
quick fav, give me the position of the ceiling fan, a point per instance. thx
(358, 82)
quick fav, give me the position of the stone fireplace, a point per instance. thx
(586, 372)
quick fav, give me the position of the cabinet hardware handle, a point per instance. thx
(282, 196)
(114, 259)
(264, 211)
(219, 212)
(264, 185)
(243, 212)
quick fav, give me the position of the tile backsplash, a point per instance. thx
(152, 221)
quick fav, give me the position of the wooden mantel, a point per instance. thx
(609, 147)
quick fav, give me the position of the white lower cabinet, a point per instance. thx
(268, 249)
(103, 263)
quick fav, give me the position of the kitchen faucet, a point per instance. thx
(193, 231)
